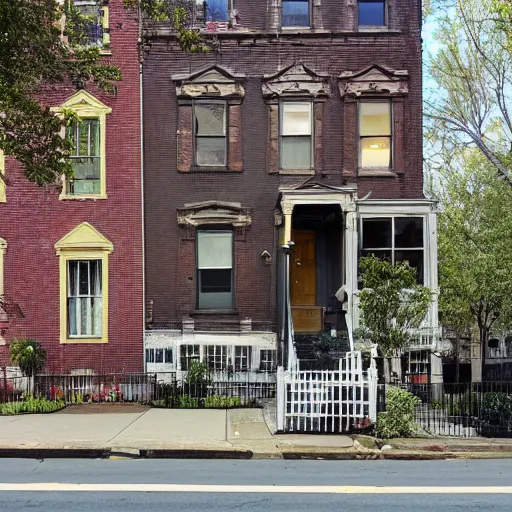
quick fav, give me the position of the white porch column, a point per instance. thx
(350, 241)
(287, 212)
(432, 268)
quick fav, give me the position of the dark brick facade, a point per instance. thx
(255, 49)
(34, 219)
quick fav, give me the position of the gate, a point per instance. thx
(327, 401)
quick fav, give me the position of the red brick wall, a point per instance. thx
(169, 258)
(33, 219)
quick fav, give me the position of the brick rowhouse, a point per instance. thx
(34, 219)
(267, 53)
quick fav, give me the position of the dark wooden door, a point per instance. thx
(303, 269)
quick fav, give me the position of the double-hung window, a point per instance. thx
(217, 357)
(395, 239)
(243, 358)
(372, 13)
(268, 360)
(375, 134)
(85, 298)
(88, 23)
(296, 13)
(296, 131)
(189, 354)
(210, 131)
(84, 136)
(215, 269)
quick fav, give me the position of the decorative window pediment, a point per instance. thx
(84, 237)
(374, 80)
(84, 103)
(214, 81)
(214, 213)
(296, 80)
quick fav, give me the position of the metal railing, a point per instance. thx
(96, 388)
(464, 410)
(212, 393)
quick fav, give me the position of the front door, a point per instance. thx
(303, 268)
(307, 316)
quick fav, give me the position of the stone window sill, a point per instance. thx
(214, 312)
(377, 173)
(70, 197)
(297, 172)
(216, 170)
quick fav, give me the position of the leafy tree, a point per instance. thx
(28, 355)
(393, 305)
(179, 14)
(33, 56)
(469, 102)
(475, 247)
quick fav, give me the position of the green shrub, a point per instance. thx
(398, 420)
(32, 406)
(220, 402)
(187, 402)
(496, 408)
(198, 374)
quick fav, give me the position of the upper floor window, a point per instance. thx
(214, 10)
(215, 269)
(87, 21)
(85, 156)
(395, 239)
(296, 129)
(375, 134)
(296, 13)
(210, 129)
(372, 12)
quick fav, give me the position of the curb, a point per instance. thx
(241, 454)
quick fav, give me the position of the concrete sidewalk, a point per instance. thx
(126, 430)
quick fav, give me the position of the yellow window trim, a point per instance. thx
(3, 196)
(3, 248)
(83, 243)
(87, 106)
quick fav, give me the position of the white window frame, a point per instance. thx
(81, 299)
(242, 354)
(268, 365)
(217, 357)
(393, 247)
(311, 135)
(192, 354)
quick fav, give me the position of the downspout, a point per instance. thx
(143, 238)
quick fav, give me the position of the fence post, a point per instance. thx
(372, 392)
(281, 390)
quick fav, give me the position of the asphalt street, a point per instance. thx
(216, 485)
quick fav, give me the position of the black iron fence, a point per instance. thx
(77, 389)
(213, 394)
(465, 410)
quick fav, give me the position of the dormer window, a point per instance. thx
(296, 13)
(372, 13)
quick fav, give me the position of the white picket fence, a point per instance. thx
(329, 401)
